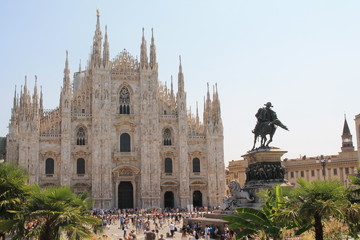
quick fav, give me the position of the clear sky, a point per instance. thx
(303, 56)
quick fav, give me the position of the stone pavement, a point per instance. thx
(115, 233)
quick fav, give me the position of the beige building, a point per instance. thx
(121, 135)
(236, 172)
(313, 168)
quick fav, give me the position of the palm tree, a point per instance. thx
(52, 212)
(311, 203)
(253, 221)
(13, 191)
(353, 213)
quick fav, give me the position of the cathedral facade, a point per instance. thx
(121, 135)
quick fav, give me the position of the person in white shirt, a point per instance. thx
(207, 232)
(172, 229)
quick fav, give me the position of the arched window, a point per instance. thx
(124, 101)
(81, 136)
(168, 165)
(125, 142)
(196, 165)
(167, 137)
(49, 166)
(80, 166)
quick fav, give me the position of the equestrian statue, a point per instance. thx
(267, 123)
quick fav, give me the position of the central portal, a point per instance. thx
(125, 195)
(169, 200)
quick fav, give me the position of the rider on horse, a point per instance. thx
(264, 115)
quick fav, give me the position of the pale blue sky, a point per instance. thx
(303, 56)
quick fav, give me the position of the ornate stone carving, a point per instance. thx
(265, 172)
(238, 197)
(125, 172)
(124, 63)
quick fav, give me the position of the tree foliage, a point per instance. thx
(307, 206)
(46, 213)
(13, 191)
(251, 221)
(310, 204)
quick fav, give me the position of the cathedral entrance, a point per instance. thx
(169, 200)
(125, 195)
(197, 199)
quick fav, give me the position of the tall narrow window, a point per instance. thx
(124, 101)
(196, 165)
(125, 142)
(168, 165)
(49, 166)
(80, 166)
(80, 136)
(167, 137)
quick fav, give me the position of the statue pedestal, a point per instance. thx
(264, 171)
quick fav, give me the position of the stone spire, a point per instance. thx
(197, 114)
(35, 95)
(96, 51)
(216, 111)
(172, 95)
(180, 78)
(41, 101)
(66, 80)
(80, 66)
(26, 94)
(347, 143)
(153, 64)
(15, 99)
(143, 52)
(25, 86)
(21, 97)
(106, 54)
(207, 110)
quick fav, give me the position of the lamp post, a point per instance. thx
(323, 163)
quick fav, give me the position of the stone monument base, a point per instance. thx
(264, 171)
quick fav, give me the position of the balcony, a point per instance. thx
(124, 156)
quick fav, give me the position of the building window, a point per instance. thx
(196, 165)
(49, 166)
(292, 174)
(168, 165)
(124, 101)
(80, 136)
(80, 166)
(335, 171)
(302, 173)
(125, 142)
(236, 175)
(313, 173)
(347, 170)
(167, 137)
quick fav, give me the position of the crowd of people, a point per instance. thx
(153, 224)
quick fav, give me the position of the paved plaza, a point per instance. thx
(114, 232)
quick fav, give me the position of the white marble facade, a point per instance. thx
(121, 135)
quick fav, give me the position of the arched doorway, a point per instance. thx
(197, 199)
(125, 195)
(169, 200)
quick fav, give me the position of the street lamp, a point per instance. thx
(323, 163)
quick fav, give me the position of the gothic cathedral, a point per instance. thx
(121, 135)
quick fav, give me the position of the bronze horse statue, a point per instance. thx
(267, 128)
